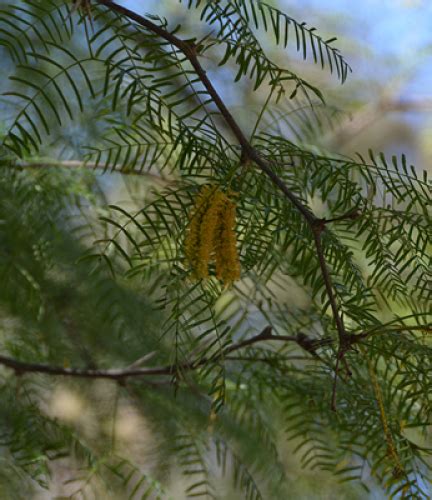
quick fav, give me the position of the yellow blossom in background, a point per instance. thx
(211, 235)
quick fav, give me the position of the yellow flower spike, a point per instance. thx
(209, 225)
(211, 236)
(227, 261)
(193, 238)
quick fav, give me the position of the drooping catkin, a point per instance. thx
(227, 261)
(194, 234)
(211, 235)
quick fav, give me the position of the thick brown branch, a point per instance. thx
(21, 367)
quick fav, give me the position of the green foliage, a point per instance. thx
(88, 284)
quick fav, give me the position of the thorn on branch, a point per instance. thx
(350, 215)
(266, 333)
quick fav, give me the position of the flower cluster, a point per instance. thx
(211, 236)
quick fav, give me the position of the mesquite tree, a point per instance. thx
(177, 304)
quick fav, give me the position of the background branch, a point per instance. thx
(76, 164)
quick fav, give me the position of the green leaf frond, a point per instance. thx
(112, 72)
(237, 21)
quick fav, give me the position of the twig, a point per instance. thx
(350, 215)
(317, 234)
(397, 328)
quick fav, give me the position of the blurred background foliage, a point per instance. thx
(53, 214)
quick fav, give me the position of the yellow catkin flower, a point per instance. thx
(211, 236)
(227, 261)
(209, 226)
(193, 237)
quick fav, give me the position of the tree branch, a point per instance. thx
(22, 367)
(317, 232)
